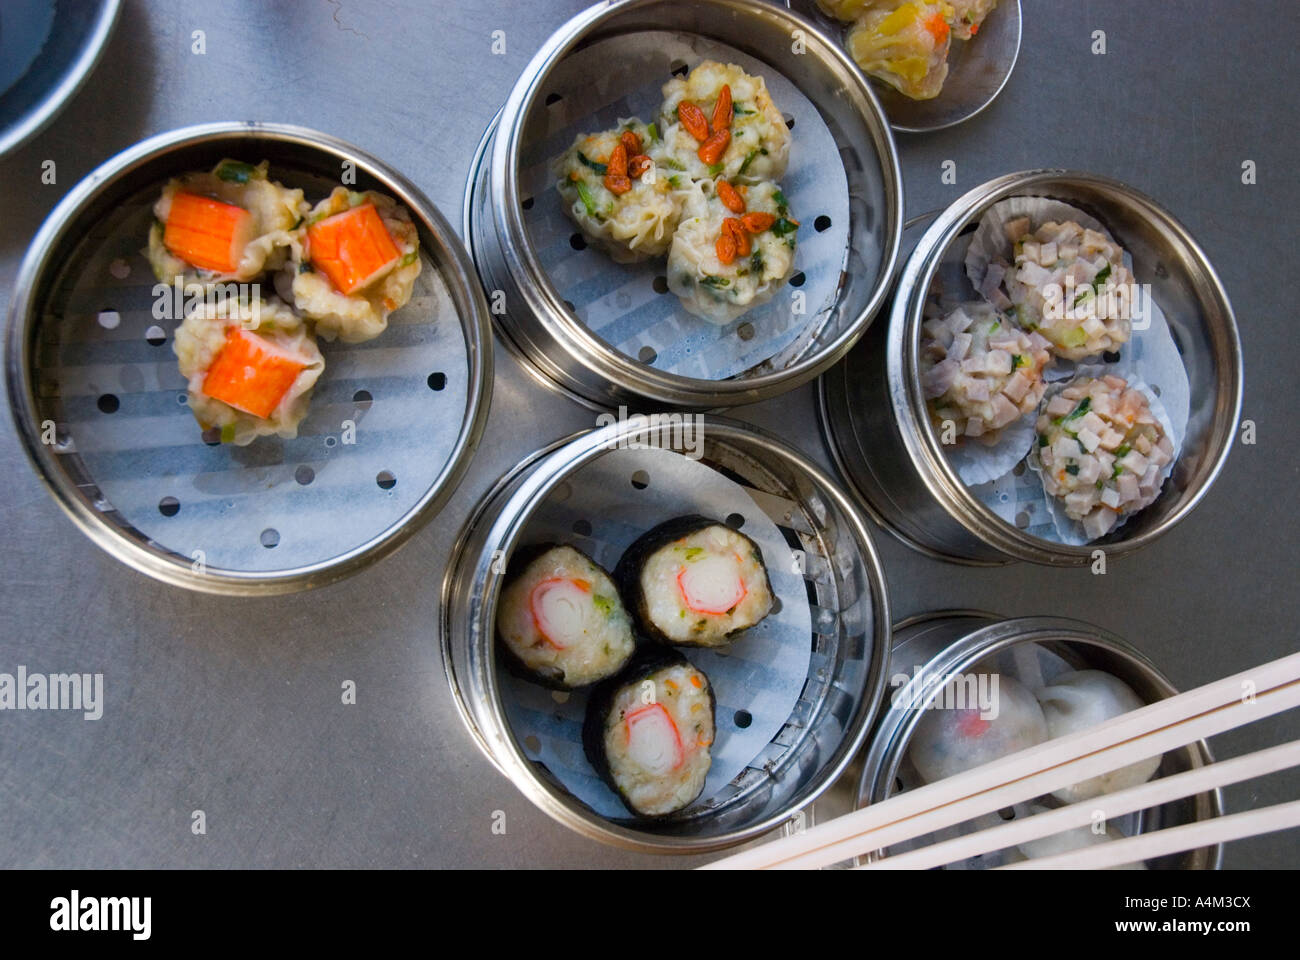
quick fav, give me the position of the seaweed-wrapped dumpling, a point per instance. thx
(355, 261)
(733, 250)
(251, 367)
(981, 371)
(1101, 451)
(613, 186)
(906, 47)
(227, 225)
(720, 121)
(1069, 283)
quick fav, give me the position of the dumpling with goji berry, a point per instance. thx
(720, 121)
(733, 250)
(354, 262)
(614, 188)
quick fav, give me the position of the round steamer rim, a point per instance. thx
(505, 532)
(544, 300)
(40, 264)
(897, 724)
(908, 400)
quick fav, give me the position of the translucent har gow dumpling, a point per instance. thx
(1080, 700)
(1074, 839)
(950, 741)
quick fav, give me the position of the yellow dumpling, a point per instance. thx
(906, 47)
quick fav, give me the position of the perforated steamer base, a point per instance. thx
(387, 418)
(845, 612)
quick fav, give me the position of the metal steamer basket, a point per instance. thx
(845, 593)
(101, 407)
(874, 416)
(628, 42)
(930, 650)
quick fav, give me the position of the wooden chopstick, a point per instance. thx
(1145, 732)
(1161, 843)
(1112, 805)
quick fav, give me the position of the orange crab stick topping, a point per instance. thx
(559, 607)
(352, 248)
(653, 740)
(207, 233)
(251, 374)
(711, 585)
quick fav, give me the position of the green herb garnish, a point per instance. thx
(1017, 361)
(653, 131)
(600, 168)
(712, 281)
(784, 226)
(671, 163)
(756, 262)
(235, 171)
(585, 196)
(1072, 469)
(715, 168)
(409, 259)
(749, 158)
(1123, 450)
(1077, 412)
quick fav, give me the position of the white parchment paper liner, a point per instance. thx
(757, 678)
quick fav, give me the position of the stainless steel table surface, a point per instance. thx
(233, 706)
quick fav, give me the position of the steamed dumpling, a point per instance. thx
(981, 371)
(630, 219)
(1081, 700)
(227, 225)
(355, 261)
(1075, 839)
(1069, 283)
(950, 740)
(251, 367)
(906, 47)
(717, 278)
(1100, 451)
(968, 16)
(758, 146)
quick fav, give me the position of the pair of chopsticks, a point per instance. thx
(1147, 732)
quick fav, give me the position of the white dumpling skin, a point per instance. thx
(949, 741)
(1081, 700)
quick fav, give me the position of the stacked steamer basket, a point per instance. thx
(786, 724)
(102, 409)
(607, 336)
(930, 651)
(880, 431)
